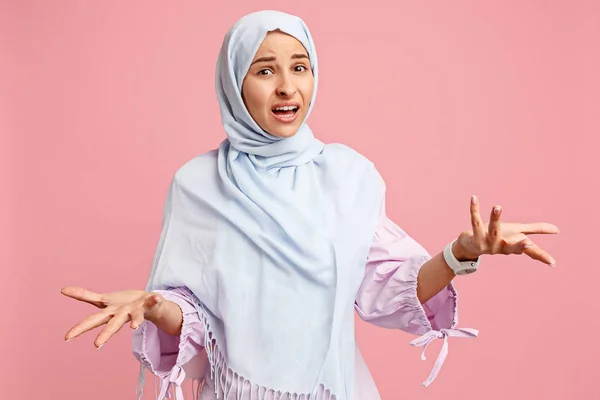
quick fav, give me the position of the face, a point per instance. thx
(278, 87)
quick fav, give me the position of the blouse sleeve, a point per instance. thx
(388, 298)
(172, 358)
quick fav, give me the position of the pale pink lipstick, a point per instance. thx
(285, 112)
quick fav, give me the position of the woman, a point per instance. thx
(270, 243)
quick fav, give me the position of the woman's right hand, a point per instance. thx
(117, 308)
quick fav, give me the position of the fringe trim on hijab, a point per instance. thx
(225, 379)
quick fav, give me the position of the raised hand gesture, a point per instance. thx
(497, 238)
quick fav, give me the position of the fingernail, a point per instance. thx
(473, 199)
(99, 347)
(496, 210)
(68, 340)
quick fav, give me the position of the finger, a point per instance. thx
(112, 327)
(537, 228)
(137, 317)
(81, 294)
(88, 324)
(539, 254)
(494, 229)
(517, 247)
(476, 221)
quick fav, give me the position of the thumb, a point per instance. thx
(153, 302)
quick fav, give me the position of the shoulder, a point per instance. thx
(350, 162)
(197, 168)
(342, 150)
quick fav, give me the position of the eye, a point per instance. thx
(265, 71)
(300, 68)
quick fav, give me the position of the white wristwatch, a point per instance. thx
(459, 267)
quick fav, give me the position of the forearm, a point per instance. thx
(169, 319)
(435, 275)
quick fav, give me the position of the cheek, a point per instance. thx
(255, 96)
(307, 89)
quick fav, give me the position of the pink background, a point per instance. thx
(101, 102)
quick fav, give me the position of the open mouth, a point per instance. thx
(285, 112)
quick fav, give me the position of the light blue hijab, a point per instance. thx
(272, 236)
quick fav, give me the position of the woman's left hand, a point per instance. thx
(496, 238)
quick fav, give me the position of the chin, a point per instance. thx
(284, 132)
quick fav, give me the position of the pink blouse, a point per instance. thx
(386, 298)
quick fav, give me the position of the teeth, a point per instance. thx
(286, 108)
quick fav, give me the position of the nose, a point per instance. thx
(286, 87)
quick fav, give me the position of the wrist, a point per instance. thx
(155, 315)
(168, 317)
(460, 254)
(457, 259)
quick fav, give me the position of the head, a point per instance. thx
(278, 87)
(268, 61)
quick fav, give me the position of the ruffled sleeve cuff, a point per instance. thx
(172, 357)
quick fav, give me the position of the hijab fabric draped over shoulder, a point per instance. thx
(272, 236)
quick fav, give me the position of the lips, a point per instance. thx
(285, 112)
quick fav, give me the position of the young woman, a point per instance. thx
(271, 241)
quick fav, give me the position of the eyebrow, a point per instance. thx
(272, 58)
